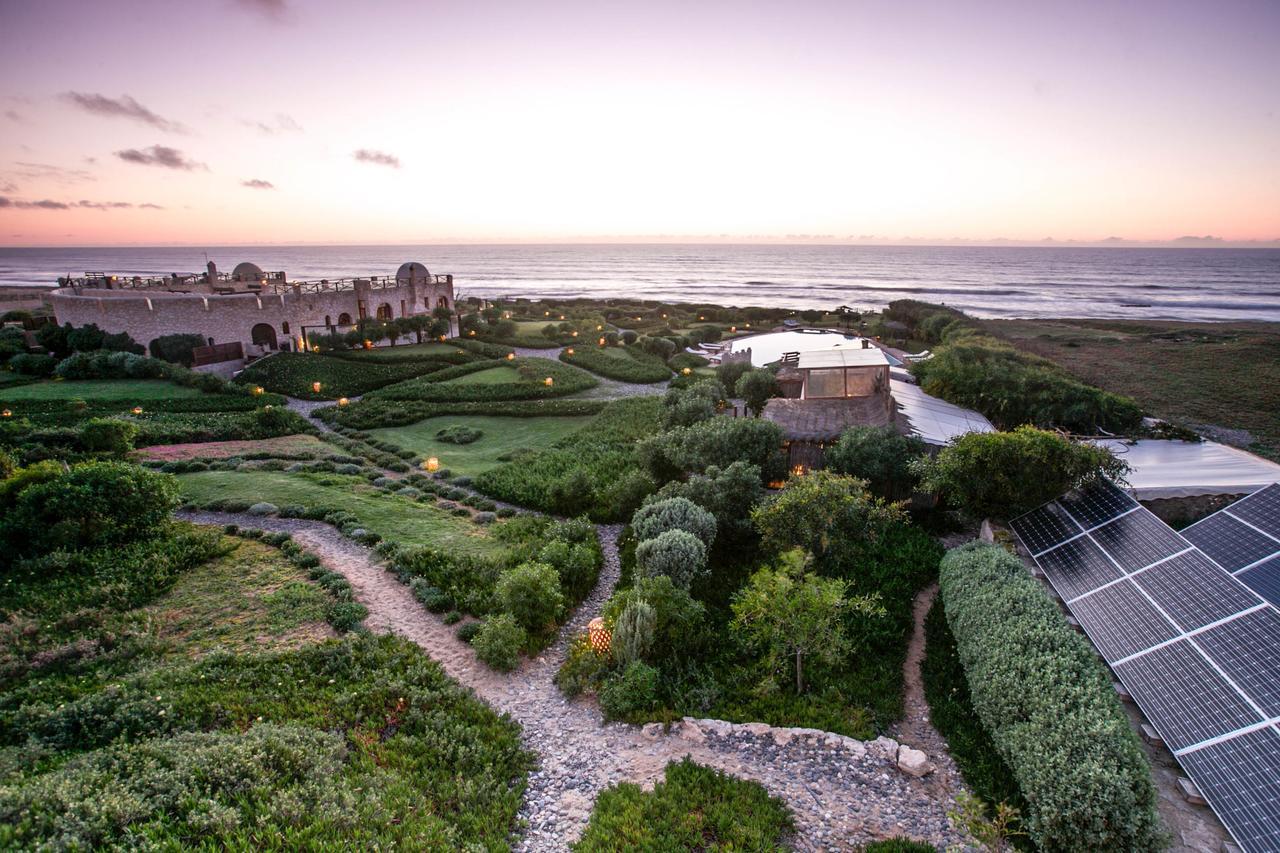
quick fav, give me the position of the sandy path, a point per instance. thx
(842, 797)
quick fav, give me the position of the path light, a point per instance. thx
(575, 334)
(561, 316)
(602, 342)
(548, 382)
(687, 371)
(315, 348)
(569, 351)
(315, 386)
(599, 637)
(599, 328)
(442, 338)
(6, 414)
(342, 401)
(368, 344)
(137, 410)
(432, 464)
(471, 333)
(511, 356)
(702, 318)
(733, 328)
(257, 390)
(748, 326)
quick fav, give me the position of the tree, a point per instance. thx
(687, 406)
(793, 614)
(177, 348)
(730, 372)
(679, 617)
(755, 387)
(1003, 474)
(823, 512)
(880, 455)
(719, 441)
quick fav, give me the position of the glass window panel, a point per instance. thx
(826, 383)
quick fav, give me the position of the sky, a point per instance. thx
(307, 121)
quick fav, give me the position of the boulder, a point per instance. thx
(913, 762)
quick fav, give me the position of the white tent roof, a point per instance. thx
(935, 421)
(1180, 469)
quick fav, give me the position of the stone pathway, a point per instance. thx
(842, 792)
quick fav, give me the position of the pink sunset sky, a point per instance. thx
(204, 121)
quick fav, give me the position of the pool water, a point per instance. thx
(769, 347)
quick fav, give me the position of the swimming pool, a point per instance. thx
(770, 346)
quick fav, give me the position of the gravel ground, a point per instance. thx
(843, 793)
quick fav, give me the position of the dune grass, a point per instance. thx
(395, 518)
(105, 390)
(501, 437)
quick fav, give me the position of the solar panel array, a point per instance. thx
(1189, 624)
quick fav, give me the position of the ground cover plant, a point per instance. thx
(691, 808)
(294, 374)
(501, 439)
(369, 414)
(592, 471)
(439, 351)
(499, 379)
(302, 446)
(625, 364)
(1048, 705)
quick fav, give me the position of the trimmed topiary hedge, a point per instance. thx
(293, 373)
(1047, 702)
(625, 365)
(531, 384)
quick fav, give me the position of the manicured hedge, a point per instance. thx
(625, 365)
(481, 348)
(1048, 704)
(370, 413)
(437, 388)
(293, 373)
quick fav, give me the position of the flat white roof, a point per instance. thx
(1179, 469)
(932, 420)
(843, 357)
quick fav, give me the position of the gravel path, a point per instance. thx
(843, 793)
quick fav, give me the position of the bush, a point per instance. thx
(625, 365)
(634, 632)
(755, 387)
(1048, 704)
(719, 442)
(92, 505)
(176, 348)
(657, 517)
(679, 616)
(498, 642)
(344, 616)
(688, 406)
(633, 690)
(531, 593)
(694, 808)
(108, 435)
(458, 435)
(33, 364)
(575, 563)
(824, 513)
(263, 508)
(729, 495)
(1003, 474)
(676, 554)
(880, 455)
(582, 669)
(467, 631)
(729, 373)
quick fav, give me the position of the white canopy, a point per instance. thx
(1181, 469)
(932, 420)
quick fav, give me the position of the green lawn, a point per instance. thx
(394, 518)
(501, 437)
(489, 376)
(101, 389)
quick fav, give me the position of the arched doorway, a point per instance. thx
(263, 335)
(344, 319)
(384, 311)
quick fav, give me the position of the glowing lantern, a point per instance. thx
(575, 334)
(602, 342)
(569, 351)
(747, 326)
(342, 401)
(599, 637)
(6, 414)
(511, 356)
(546, 313)
(315, 386)
(442, 337)
(687, 371)
(368, 344)
(548, 382)
(664, 316)
(137, 410)
(472, 333)
(432, 464)
(599, 328)
(315, 348)
(257, 390)
(702, 318)
(733, 328)
(561, 316)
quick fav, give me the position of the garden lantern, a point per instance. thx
(599, 637)
(733, 328)
(546, 313)
(687, 371)
(342, 401)
(569, 351)
(442, 338)
(599, 328)
(6, 413)
(702, 318)
(257, 390)
(368, 344)
(511, 356)
(137, 410)
(561, 316)
(315, 386)
(602, 342)
(747, 326)
(471, 333)
(575, 334)
(548, 382)
(432, 464)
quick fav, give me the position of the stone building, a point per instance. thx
(260, 311)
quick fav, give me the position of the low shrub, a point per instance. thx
(178, 349)
(583, 668)
(33, 364)
(467, 631)
(108, 435)
(1047, 702)
(293, 373)
(677, 513)
(676, 554)
(531, 384)
(629, 691)
(716, 442)
(530, 592)
(880, 455)
(628, 364)
(498, 642)
(458, 435)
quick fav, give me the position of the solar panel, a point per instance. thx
(1261, 509)
(1078, 567)
(1240, 778)
(1184, 696)
(1137, 540)
(1229, 542)
(1097, 503)
(1193, 591)
(1043, 528)
(1244, 649)
(1121, 621)
(1197, 647)
(1264, 579)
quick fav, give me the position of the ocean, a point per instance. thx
(1133, 283)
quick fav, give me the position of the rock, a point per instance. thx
(689, 731)
(884, 747)
(652, 730)
(757, 729)
(913, 762)
(781, 737)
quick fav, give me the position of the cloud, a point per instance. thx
(48, 172)
(13, 115)
(50, 204)
(160, 155)
(281, 123)
(275, 10)
(258, 184)
(122, 107)
(381, 158)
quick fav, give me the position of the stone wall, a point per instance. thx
(233, 317)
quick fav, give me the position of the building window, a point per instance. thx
(404, 311)
(384, 311)
(327, 323)
(284, 327)
(344, 319)
(442, 302)
(825, 383)
(364, 311)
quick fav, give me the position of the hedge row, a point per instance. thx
(294, 373)
(534, 372)
(372, 413)
(633, 366)
(1047, 702)
(481, 348)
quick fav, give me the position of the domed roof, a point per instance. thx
(245, 271)
(412, 269)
